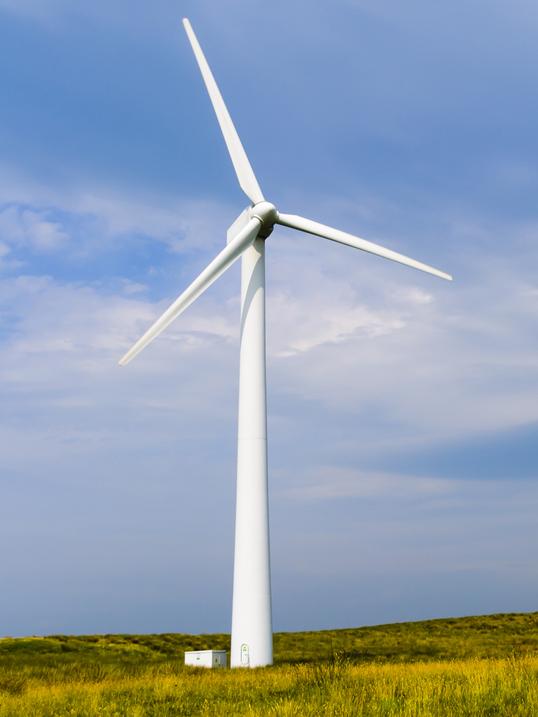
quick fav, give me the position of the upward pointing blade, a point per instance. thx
(321, 230)
(210, 274)
(245, 175)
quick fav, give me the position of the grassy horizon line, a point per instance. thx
(497, 635)
(367, 626)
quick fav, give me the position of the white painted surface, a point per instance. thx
(210, 274)
(206, 658)
(245, 175)
(322, 230)
(239, 223)
(252, 639)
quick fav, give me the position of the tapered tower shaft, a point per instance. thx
(252, 637)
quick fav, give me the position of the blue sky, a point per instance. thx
(403, 410)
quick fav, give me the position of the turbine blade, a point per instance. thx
(210, 274)
(245, 174)
(321, 230)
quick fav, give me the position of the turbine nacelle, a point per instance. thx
(268, 216)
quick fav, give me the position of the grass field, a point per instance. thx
(462, 666)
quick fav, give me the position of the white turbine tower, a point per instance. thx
(251, 619)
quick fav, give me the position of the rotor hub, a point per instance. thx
(268, 216)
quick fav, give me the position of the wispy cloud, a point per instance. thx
(23, 227)
(337, 483)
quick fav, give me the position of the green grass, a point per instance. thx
(462, 666)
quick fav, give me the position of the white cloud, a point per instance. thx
(59, 334)
(306, 323)
(105, 215)
(335, 482)
(453, 361)
(22, 227)
(345, 331)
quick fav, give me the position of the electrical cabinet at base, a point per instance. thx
(206, 658)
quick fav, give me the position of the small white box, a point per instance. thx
(206, 658)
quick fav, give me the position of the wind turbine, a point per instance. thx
(252, 639)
